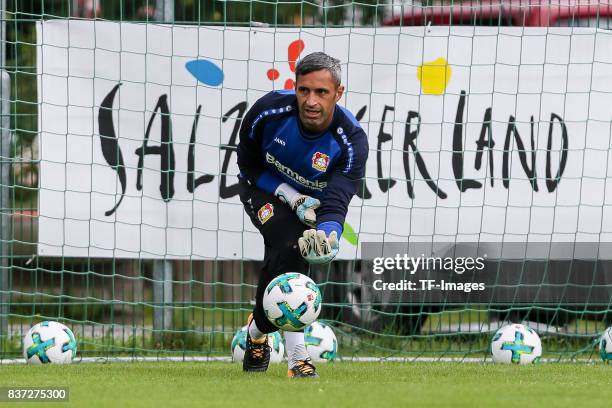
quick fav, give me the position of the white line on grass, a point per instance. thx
(344, 359)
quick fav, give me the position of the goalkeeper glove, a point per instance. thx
(303, 205)
(316, 248)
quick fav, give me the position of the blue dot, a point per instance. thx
(205, 72)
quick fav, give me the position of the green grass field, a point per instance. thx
(344, 384)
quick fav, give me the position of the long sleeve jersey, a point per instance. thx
(274, 148)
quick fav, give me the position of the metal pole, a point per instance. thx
(162, 297)
(165, 10)
(162, 268)
(5, 168)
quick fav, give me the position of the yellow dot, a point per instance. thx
(434, 76)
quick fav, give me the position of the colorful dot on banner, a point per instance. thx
(293, 52)
(273, 74)
(434, 76)
(350, 235)
(205, 71)
(289, 84)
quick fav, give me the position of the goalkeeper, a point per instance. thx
(301, 157)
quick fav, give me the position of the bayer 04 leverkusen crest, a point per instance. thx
(320, 161)
(265, 213)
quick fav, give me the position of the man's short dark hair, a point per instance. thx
(318, 61)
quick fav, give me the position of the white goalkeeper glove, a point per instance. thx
(303, 205)
(316, 248)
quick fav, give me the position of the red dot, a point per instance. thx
(289, 84)
(293, 52)
(273, 74)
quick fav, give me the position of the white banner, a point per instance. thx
(476, 134)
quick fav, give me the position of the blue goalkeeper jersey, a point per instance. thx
(274, 148)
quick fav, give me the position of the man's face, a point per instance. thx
(316, 97)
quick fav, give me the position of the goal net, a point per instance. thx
(485, 198)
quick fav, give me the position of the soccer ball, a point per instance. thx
(605, 346)
(516, 344)
(292, 301)
(274, 341)
(321, 343)
(49, 342)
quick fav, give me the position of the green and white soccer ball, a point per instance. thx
(292, 301)
(605, 346)
(49, 342)
(516, 344)
(275, 341)
(321, 342)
